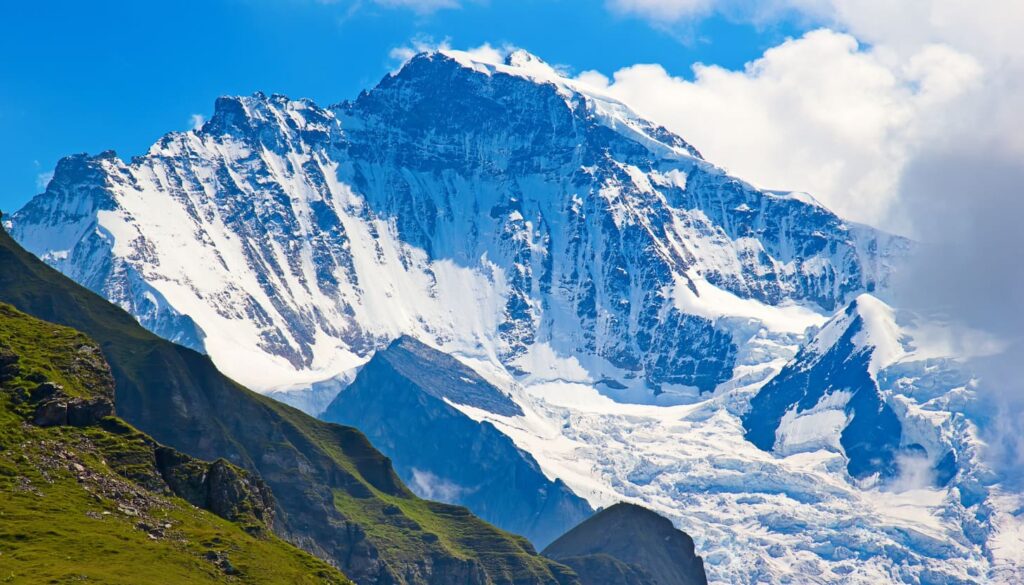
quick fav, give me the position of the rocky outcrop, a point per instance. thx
(8, 365)
(219, 487)
(627, 544)
(55, 408)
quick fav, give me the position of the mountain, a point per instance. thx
(336, 496)
(828, 397)
(626, 544)
(632, 299)
(407, 398)
(86, 497)
(498, 210)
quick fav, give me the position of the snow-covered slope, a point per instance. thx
(494, 209)
(801, 510)
(827, 397)
(590, 263)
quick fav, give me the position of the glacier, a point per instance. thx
(654, 318)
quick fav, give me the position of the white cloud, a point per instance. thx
(662, 10)
(196, 121)
(429, 486)
(418, 44)
(43, 179)
(485, 53)
(919, 130)
(420, 6)
(819, 114)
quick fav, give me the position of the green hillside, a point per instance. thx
(99, 502)
(336, 495)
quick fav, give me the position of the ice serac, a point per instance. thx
(495, 209)
(407, 399)
(828, 396)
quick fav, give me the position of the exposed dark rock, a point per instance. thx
(602, 569)
(627, 544)
(871, 438)
(51, 413)
(218, 487)
(46, 391)
(8, 365)
(85, 413)
(234, 494)
(56, 408)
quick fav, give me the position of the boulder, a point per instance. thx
(8, 365)
(51, 413)
(47, 391)
(85, 413)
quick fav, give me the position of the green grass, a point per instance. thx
(178, 397)
(71, 499)
(412, 528)
(56, 532)
(53, 353)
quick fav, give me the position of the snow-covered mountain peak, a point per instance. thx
(875, 331)
(504, 213)
(592, 103)
(291, 231)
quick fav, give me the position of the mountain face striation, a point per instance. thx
(497, 209)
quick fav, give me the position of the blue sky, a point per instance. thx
(86, 77)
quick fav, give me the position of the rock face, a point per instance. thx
(626, 544)
(495, 209)
(219, 487)
(8, 365)
(405, 400)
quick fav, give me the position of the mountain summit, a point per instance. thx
(663, 332)
(497, 209)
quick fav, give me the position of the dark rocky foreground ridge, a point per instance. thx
(627, 544)
(404, 394)
(335, 495)
(86, 497)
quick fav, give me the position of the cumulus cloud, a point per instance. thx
(962, 191)
(964, 197)
(485, 53)
(819, 113)
(905, 114)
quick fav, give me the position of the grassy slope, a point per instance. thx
(337, 495)
(70, 513)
